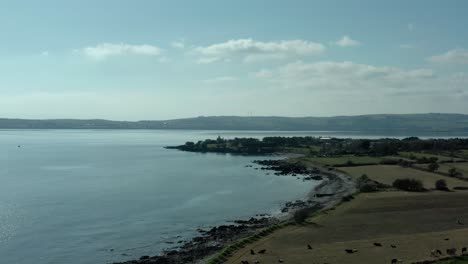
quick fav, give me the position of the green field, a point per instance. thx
(456, 260)
(440, 158)
(461, 167)
(387, 174)
(343, 160)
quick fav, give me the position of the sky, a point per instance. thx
(156, 60)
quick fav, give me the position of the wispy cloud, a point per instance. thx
(221, 79)
(250, 50)
(105, 50)
(406, 46)
(346, 41)
(455, 56)
(178, 44)
(345, 76)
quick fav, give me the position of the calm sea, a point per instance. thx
(99, 196)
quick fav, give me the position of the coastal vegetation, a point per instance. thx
(384, 170)
(403, 188)
(412, 148)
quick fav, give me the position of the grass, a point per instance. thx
(343, 160)
(456, 260)
(387, 174)
(461, 167)
(415, 222)
(222, 256)
(440, 158)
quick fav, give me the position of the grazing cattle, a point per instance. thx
(394, 261)
(459, 222)
(351, 251)
(252, 252)
(256, 262)
(309, 247)
(393, 246)
(280, 261)
(439, 252)
(377, 244)
(451, 251)
(244, 262)
(464, 250)
(262, 251)
(447, 239)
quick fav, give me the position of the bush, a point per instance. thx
(453, 172)
(347, 198)
(433, 166)
(410, 185)
(366, 185)
(441, 185)
(302, 214)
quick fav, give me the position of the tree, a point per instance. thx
(410, 185)
(441, 185)
(453, 172)
(433, 166)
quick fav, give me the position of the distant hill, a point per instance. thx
(377, 123)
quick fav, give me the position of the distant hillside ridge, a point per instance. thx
(431, 122)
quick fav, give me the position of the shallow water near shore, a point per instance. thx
(98, 196)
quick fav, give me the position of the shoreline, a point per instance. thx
(208, 243)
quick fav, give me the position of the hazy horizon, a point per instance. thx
(208, 116)
(160, 60)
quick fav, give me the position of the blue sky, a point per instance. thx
(132, 60)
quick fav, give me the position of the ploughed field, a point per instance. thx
(377, 228)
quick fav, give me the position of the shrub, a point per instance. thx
(410, 185)
(389, 162)
(347, 198)
(453, 172)
(302, 214)
(433, 166)
(366, 185)
(441, 185)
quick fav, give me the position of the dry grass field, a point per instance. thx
(461, 167)
(388, 173)
(341, 160)
(427, 155)
(415, 223)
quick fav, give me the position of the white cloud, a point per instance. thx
(221, 79)
(104, 50)
(346, 41)
(406, 46)
(250, 50)
(455, 56)
(45, 53)
(207, 60)
(345, 76)
(178, 44)
(410, 27)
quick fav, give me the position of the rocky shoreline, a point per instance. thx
(331, 190)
